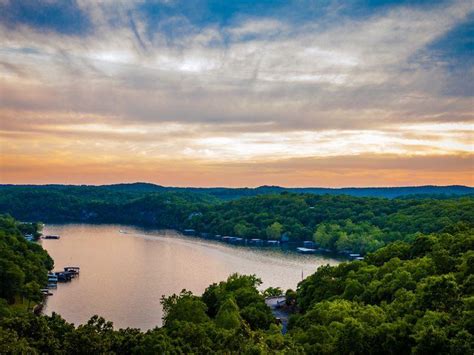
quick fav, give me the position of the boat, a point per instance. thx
(305, 250)
(46, 292)
(52, 278)
(63, 276)
(72, 270)
(354, 256)
(51, 237)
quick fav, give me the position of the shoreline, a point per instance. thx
(287, 246)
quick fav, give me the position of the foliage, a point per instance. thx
(23, 264)
(272, 292)
(273, 231)
(336, 222)
(183, 307)
(339, 223)
(414, 295)
(402, 298)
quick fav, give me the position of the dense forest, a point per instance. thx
(414, 296)
(225, 193)
(339, 223)
(335, 222)
(23, 265)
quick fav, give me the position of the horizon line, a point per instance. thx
(239, 187)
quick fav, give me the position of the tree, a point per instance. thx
(274, 231)
(438, 292)
(290, 297)
(241, 230)
(183, 307)
(11, 279)
(31, 291)
(11, 343)
(272, 292)
(228, 316)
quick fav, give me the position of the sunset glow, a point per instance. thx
(221, 94)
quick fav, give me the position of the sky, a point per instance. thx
(237, 93)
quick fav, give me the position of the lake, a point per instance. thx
(125, 270)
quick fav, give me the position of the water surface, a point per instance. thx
(125, 270)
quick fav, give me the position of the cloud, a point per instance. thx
(301, 74)
(223, 83)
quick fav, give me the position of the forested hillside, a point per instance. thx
(102, 205)
(407, 297)
(338, 223)
(23, 264)
(335, 222)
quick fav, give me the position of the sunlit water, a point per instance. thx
(125, 270)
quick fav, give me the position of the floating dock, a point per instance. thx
(306, 250)
(68, 274)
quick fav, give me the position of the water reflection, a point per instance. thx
(125, 270)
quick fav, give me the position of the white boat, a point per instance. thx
(305, 250)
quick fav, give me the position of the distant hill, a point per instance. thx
(392, 192)
(387, 192)
(225, 193)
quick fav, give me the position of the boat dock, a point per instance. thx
(302, 247)
(68, 274)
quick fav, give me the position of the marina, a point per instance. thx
(304, 247)
(68, 274)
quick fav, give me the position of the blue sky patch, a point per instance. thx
(61, 16)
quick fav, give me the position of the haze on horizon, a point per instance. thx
(237, 93)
